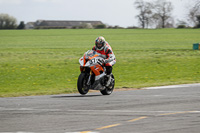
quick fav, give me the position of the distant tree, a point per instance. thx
(194, 12)
(7, 22)
(100, 26)
(182, 24)
(85, 26)
(162, 13)
(145, 12)
(198, 19)
(21, 25)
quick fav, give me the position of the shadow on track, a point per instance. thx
(71, 96)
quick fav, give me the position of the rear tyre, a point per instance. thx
(109, 90)
(81, 84)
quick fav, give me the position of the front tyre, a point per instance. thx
(81, 84)
(109, 90)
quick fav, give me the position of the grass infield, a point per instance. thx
(40, 62)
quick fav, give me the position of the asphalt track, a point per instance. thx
(169, 109)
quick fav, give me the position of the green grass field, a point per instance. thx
(39, 62)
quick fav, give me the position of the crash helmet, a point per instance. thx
(100, 43)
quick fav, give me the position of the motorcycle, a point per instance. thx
(93, 74)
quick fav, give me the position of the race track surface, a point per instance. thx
(169, 109)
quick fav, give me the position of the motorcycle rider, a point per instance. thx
(102, 47)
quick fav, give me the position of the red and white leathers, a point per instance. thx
(108, 53)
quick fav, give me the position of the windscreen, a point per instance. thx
(90, 53)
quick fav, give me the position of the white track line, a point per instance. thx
(95, 111)
(172, 86)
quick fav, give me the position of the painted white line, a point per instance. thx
(82, 132)
(95, 111)
(17, 132)
(26, 109)
(172, 86)
(127, 111)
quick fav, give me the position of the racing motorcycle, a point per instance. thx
(93, 74)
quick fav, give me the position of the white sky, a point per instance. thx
(111, 12)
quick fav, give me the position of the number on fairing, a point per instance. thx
(92, 61)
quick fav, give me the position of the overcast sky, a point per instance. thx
(111, 12)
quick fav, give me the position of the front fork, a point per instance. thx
(89, 80)
(88, 71)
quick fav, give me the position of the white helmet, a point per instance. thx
(100, 43)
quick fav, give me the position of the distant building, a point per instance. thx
(30, 25)
(56, 24)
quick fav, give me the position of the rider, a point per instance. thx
(102, 47)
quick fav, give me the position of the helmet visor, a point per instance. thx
(99, 45)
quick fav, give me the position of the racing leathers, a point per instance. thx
(108, 53)
(109, 59)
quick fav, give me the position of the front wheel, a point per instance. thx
(81, 84)
(109, 90)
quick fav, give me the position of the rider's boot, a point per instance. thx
(109, 80)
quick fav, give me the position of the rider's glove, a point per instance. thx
(100, 62)
(106, 61)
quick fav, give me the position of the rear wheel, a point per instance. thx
(81, 84)
(109, 90)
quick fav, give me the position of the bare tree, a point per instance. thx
(194, 12)
(145, 12)
(7, 22)
(162, 13)
(198, 20)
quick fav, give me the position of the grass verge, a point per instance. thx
(39, 62)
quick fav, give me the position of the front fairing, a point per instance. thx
(81, 61)
(89, 63)
(89, 58)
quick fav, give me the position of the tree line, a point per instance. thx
(156, 14)
(10, 22)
